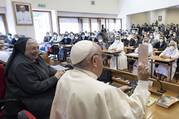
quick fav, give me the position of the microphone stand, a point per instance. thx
(161, 89)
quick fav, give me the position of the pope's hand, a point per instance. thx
(143, 72)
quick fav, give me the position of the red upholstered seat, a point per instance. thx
(24, 114)
(2, 82)
(2, 86)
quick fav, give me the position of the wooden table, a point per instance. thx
(154, 111)
(156, 52)
(154, 59)
(159, 60)
(113, 53)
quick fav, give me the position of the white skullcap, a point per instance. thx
(80, 51)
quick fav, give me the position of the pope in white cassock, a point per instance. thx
(23, 16)
(169, 52)
(122, 58)
(79, 95)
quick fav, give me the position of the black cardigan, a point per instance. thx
(33, 83)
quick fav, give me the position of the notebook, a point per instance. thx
(167, 101)
(151, 101)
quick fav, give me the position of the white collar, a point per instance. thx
(89, 73)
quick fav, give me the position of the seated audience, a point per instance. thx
(66, 40)
(134, 41)
(161, 44)
(163, 70)
(47, 37)
(118, 46)
(76, 38)
(151, 37)
(83, 36)
(30, 79)
(71, 36)
(92, 37)
(125, 40)
(15, 38)
(79, 95)
(55, 38)
(102, 40)
(8, 38)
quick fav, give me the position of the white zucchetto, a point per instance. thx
(80, 51)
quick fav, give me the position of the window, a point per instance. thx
(111, 25)
(118, 24)
(107, 24)
(94, 25)
(86, 24)
(42, 24)
(69, 25)
(76, 25)
(2, 25)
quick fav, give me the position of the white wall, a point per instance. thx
(139, 18)
(2, 10)
(96, 15)
(169, 15)
(101, 6)
(155, 14)
(10, 17)
(2, 3)
(137, 6)
(172, 16)
(149, 17)
(2, 6)
(128, 7)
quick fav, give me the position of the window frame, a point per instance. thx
(80, 22)
(50, 23)
(50, 17)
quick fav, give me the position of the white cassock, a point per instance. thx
(79, 95)
(150, 51)
(24, 17)
(122, 58)
(164, 69)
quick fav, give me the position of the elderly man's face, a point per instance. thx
(98, 65)
(22, 8)
(32, 49)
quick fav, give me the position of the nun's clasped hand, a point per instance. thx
(59, 74)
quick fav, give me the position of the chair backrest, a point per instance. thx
(55, 49)
(24, 114)
(2, 82)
